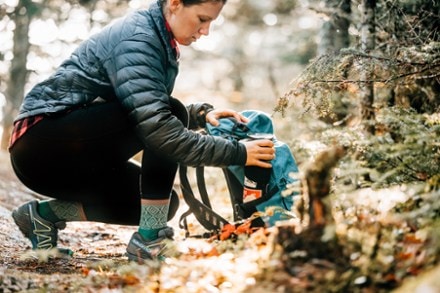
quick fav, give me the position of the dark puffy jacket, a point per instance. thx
(132, 61)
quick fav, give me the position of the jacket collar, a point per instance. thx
(165, 33)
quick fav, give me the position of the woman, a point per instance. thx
(77, 130)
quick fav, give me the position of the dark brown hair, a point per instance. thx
(194, 2)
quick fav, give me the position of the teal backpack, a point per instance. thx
(283, 166)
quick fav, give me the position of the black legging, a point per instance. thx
(84, 156)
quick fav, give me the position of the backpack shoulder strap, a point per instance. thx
(201, 185)
(203, 212)
(235, 192)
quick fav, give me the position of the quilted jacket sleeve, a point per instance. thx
(197, 114)
(137, 70)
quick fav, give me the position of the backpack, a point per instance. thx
(259, 125)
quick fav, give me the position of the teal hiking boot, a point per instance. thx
(43, 234)
(140, 249)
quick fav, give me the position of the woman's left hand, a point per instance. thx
(213, 116)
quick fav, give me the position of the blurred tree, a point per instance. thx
(334, 37)
(334, 31)
(398, 49)
(21, 16)
(410, 31)
(368, 29)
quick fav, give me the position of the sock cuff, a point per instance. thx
(153, 216)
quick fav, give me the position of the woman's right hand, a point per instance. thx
(259, 152)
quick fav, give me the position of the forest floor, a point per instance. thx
(252, 264)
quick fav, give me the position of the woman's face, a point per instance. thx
(189, 23)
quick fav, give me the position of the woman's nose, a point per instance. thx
(204, 30)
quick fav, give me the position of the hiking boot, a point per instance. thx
(43, 234)
(140, 249)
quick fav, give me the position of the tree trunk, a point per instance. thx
(334, 36)
(367, 45)
(334, 32)
(17, 72)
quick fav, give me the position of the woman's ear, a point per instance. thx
(174, 5)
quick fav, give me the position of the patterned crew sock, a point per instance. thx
(55, 210)
(154, 214)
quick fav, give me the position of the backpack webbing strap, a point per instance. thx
(236, 194)
(209, 219)
(201, 185)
